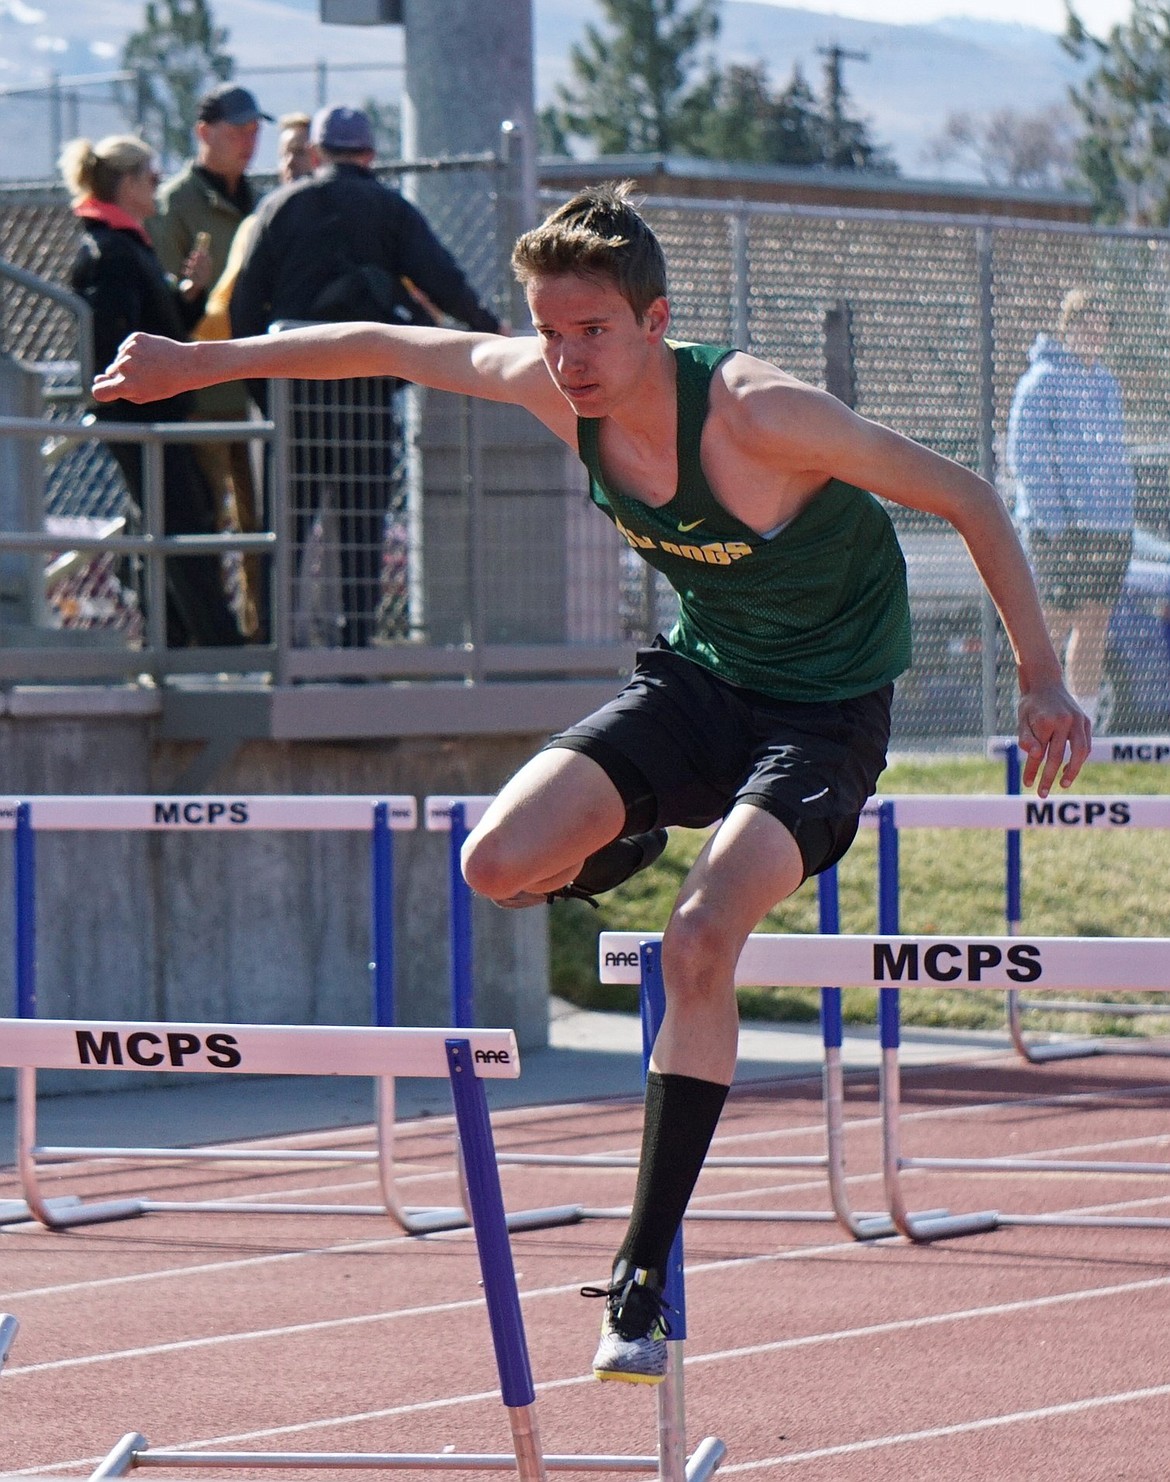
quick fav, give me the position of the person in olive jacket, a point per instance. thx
(211, 196)
(112, 185)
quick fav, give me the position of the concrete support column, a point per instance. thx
(469, 68)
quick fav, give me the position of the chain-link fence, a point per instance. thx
(939, 320)
(925, 323)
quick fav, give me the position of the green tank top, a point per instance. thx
(818, 610)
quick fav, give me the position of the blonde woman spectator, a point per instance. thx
(112, 185)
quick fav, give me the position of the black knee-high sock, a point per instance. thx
(681, 1114)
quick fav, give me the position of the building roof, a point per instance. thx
(816, 185)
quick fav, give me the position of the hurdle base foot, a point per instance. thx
(706, 1457)
(1069, 1050)
(17, 1212)
(436, 1221)
(94, 1214)
(872, 1227)
(924, 1228)
(544, 1219)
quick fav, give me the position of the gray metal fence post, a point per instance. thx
(988, 620)
(281, 576)
(476, 574)
(740, 331)
(154, 519)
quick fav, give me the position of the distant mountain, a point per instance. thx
(914, 75)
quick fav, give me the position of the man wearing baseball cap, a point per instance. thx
(338, 245)
(211, 195)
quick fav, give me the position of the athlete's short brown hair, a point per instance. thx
(597, 234)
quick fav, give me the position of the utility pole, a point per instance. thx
(835, 91)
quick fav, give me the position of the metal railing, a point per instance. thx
(150, 545)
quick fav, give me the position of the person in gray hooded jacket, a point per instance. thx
(1074, 487)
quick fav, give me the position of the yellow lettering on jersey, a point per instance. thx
(639, 542)
(717, 553)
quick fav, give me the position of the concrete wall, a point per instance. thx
(266, 927)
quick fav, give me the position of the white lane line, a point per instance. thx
(865, 1333)
(962, 1428)
(211, 1268)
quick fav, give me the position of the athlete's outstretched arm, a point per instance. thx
(816, 431)
(494, 367)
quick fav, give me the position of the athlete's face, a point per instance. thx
(595, 349)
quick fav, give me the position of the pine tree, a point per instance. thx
(796, 132)
(747, 121)
(1124, 153)
(177, 56)
(631, 91)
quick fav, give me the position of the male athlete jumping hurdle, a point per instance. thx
(767, 709)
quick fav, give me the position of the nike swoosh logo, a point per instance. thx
(694, 525)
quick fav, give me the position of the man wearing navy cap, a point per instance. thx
(338, 245)
(212, 194)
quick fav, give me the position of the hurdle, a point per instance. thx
(456, 815)
(893, 963)
(467, 1058)
(380, 817)
(959, 812)
(1148, 750)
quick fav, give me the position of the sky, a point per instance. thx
(1099, 16)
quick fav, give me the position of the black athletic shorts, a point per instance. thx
(682, 746)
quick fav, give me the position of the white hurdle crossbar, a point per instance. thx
(893, 963)
(231, 815)
(1148, 751)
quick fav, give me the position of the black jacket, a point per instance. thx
(123, 282)
(320, 232)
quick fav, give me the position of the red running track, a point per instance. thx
(1025, 1353)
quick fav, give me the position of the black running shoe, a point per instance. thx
(612, 865)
